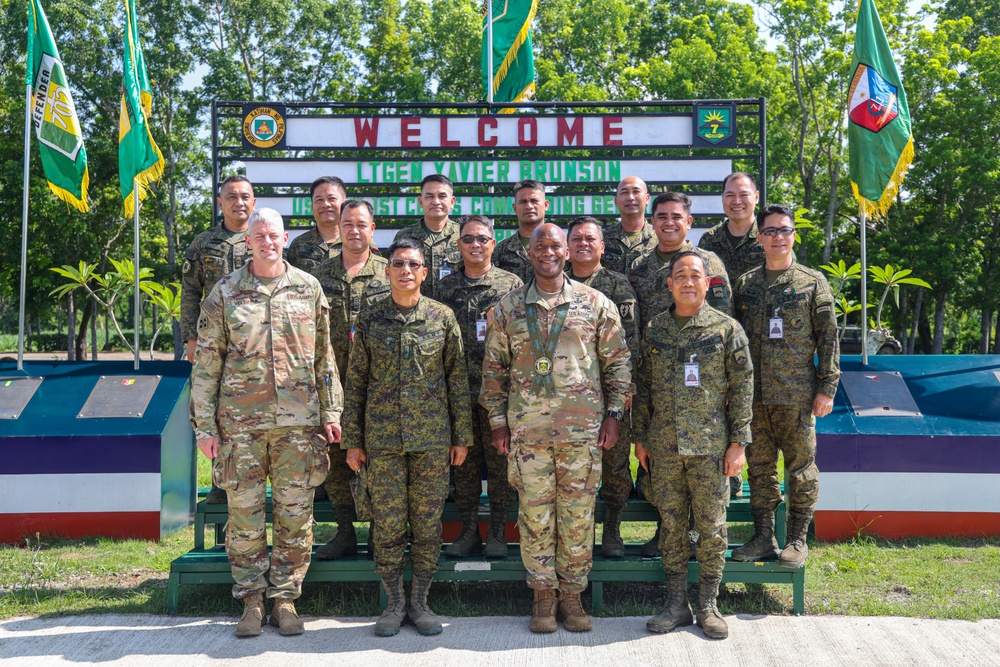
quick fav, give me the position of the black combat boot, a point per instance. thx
(469, 542)
(762, 546)
(345, 542)
(496, 539)
(677, 611)
(612, 545)
(651, 549)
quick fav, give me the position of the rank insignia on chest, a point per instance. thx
(788, 290)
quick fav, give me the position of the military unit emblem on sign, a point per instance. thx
(263, 127)
(714, 125)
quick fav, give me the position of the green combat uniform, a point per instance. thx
(441, 254)
(308, 250)
(407, 404)
(213, 254)
(347, 296)
(745, 255)
(787, 323)
(264, 382)
(620, 254)
(472, 300)
(649, 278)
(554, 460)
(511, 256)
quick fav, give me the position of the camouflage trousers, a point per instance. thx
(338, 484)
(295, 459)
(468, 478)
(616, 478)
(683, 486)
(557, 486)
(792, 430)
(408, 488)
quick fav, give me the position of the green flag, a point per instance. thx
(139, 159)
(879, 130)
(513, 75)
(53, 115)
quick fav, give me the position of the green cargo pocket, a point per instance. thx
(594, 476)
(514, 471)
(318, 460)
(224, 473)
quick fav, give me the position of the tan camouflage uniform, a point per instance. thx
(621, 257)
(688, 429)
(511, 256)
(264, 382)
(787, 380)
(441, 254)
(554, 462)
(747, 254)
(212, 254)
(407, 404)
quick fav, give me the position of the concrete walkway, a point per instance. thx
(783, 641)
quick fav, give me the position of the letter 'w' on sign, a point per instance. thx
(879, 132)
(53, 115)
(508, 63)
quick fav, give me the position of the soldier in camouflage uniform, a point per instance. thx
(787, 311)
(633, 238)
(213, 254)
(692, 421)
(322, 241)
(407, 414)
(436, 232)
(530, 206)
(265, 402)
(555, 382)
(671, 221)
(472, 293)
(585, 253)
(734, 240)
(351, 280)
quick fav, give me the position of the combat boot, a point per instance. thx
(543, 611)
(571, 613)
(736, 487)
(216, 496)
(709, 618)
(496, 540)
(796, 550)
(612, 545)
(469, 542)
(253, 616)
(763, 545)
(677, 611)
(388, 623)
(419, 612)
(651, 549)
(345, 542)
(285, 618)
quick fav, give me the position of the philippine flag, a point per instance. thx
(872, 99)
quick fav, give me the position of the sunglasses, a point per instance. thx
(469, 239)
(400, 263)
(778, 231)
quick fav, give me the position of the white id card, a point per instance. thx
(777, 327)
(692, 376)
(481, 330)
(445, 270)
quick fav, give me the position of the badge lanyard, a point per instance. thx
(544, 350)
(692, 374)
(777, 326)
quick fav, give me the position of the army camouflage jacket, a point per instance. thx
(407, 385)
(308, 249)
(511, 256)
(618, 255)
(786, 372)
(590, 368)
(747, 254)
(472, 302)
(649, 278)
(347, 296)
(668, 415)
(616, 287)
(441, 254)
(264, 360)
(213, 254)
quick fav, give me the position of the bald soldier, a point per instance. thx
(632, 238)
(555, 382)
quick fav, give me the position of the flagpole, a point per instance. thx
(24, 225)
(864, 289)
(489, 54)
(135, 222)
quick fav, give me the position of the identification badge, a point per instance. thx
(543, 365)
(692, 376)
(777, 327)
(444, 271)
(481, 326)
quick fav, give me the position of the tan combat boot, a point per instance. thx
(496, 540)
(469, 542)
(420, 613)
(677, 611)
(796, 550)
(253, 616)
(543, 611)
(612, 545)
(285, 618)
(709, 618)
(763, 545)
(388, 623)
(571, 612)
(345, 542)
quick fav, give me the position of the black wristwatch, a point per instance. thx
(616, 413)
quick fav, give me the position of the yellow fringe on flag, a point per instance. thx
(69, 197)
(876, 210)
(144, 178)
(522, 96)
(512, 52)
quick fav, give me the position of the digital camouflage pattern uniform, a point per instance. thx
(649, 278)
(787, 380)
(441, 254)
(687, 430)
(619, 255)
(407, 404)
(747, 254)
(308, 250)
(554, 461)
(214, 253)
(264, 381)
(511, 256)
(471, 301)
(347, 296)
(616, 478)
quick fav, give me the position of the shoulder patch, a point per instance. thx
(740, 357)
(187, 266)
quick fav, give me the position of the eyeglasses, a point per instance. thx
(772, 232)
(400, 263)
(469, 239)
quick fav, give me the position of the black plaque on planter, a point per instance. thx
(120, 396)
(15, 392)
(879, 394)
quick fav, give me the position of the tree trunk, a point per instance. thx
(70, 328)
(937, 346)
(93, 337)
(984, 332)
(926, 339)
(81, 338)
(912, 343)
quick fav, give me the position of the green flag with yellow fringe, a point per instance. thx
(512, 78)
(139, 159)
(879, 131)
(53, 115)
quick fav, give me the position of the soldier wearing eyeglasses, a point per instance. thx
(788, 314)
(408, 418)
